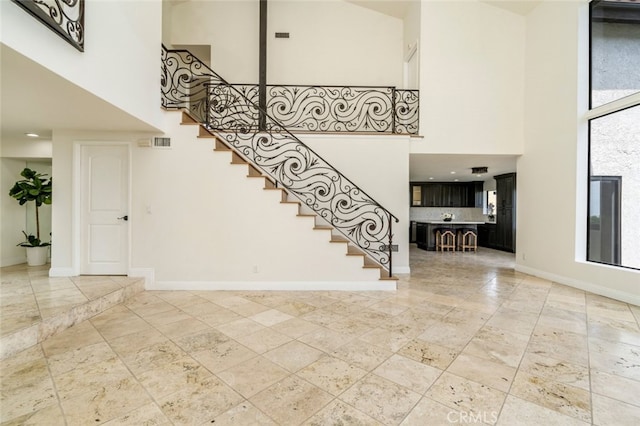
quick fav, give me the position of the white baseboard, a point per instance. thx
(61, 272)
(582, 285)
(147, 273)
(402, 270)
(10, 261)
(275, 285)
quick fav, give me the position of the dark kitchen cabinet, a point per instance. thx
(487, 235)
(506, 212)
(478, 194)
(421, 235)
(446, 194)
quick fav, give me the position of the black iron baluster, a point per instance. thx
(393, 108)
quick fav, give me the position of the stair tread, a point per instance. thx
(187, 119)
(391, 278)
(339, 240)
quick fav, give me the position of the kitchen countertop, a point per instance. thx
(453, 222)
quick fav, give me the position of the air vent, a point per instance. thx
(159, 142)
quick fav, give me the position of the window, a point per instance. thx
(613, 224)
(604, 219)
(491, 204)
(615, 50)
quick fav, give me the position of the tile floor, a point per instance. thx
(464, 340)
(35, 307)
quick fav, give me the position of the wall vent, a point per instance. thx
(159, 142)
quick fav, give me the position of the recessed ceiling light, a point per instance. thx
(455, 180)
(431, 178)
(453, 173)
(32, 135)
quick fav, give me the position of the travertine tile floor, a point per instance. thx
(34, 307)
(464, 340)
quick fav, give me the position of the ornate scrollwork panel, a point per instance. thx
(64, 17)
(406, 111)
(332, 108)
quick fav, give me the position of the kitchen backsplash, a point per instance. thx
(461, 213)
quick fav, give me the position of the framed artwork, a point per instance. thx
(64, 17)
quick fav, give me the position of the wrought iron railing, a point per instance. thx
(326, 108)
(187, 82)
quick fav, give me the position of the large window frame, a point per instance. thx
(615, 14)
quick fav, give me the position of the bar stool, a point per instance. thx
(467, 239)
(445, 239)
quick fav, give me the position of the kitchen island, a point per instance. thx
(425, 236)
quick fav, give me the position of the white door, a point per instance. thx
(105, 208)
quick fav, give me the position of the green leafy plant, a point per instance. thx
(34, 187)
(32, 241)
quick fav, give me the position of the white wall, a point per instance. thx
(198, 221)
(31, 148)
(331, 42)
(230, 27)
(122, 50)
(411, 31)
(551, 221)
(471, 79)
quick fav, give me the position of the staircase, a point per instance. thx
(285, 198)
(337, 206)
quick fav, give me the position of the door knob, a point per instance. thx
(125, 218)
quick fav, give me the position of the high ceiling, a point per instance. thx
(26, 107)
(398, 8)
(515, 6)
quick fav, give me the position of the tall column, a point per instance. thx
(262, 64)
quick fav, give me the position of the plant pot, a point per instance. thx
(37, 256)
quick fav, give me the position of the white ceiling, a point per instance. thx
(424, 167)
(36, 100)
(516, 6)
(398, 8)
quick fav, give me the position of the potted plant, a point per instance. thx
(34, 187)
